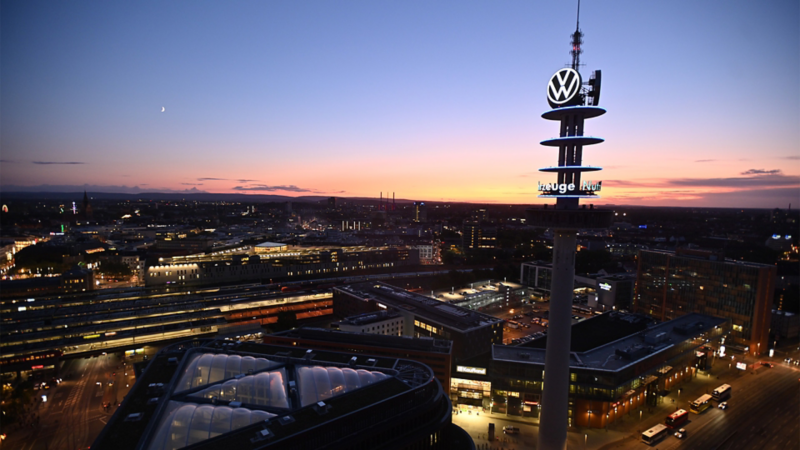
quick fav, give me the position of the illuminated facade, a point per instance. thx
(275, 266)
(608, 378)
(473, 333)
(670, 285)
(479, 235)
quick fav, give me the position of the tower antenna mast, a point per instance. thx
(577, 40)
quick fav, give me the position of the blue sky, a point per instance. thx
(432, 100)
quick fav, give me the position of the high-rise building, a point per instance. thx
(478, 235)
(420, 212)
(670, 285)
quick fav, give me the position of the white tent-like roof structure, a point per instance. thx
(263, 389)
(188, 423)
(210, 368)
(320, 383)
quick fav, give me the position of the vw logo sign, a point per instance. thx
(563, 88)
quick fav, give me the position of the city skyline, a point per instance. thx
(433, 102)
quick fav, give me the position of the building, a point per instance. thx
(485, 293)
(87, 323)
(247, 396)
(537, 275)
(670, 285)
(478, 235)
(619, 362)
(785, 325)
(277, 266)
(270, 247)
(607, 292)
(389, 323)
(472, 333)
(434, 353)
(420, 212)
(77, 279)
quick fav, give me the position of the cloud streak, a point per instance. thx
(772, 179)
(212, 179)
(761, 172)
(264, 187)
(45, 163)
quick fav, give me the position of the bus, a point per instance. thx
(678, 418)
(655, 434)
(722, 393)
(700, 405)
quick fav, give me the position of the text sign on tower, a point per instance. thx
(564, 88)
(585, 189)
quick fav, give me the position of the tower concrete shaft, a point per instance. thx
(555, 393)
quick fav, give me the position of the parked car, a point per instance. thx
(767, 364)
(510, 430)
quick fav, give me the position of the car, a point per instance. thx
(510, 430)
(680, 434)
(37, 386)
(767, 364)
(723, 405)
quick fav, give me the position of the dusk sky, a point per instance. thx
(433, 100)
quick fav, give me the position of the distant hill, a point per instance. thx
(199, 196)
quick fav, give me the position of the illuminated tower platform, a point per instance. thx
(572, 104)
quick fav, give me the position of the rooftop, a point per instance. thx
(224, 394)
(615, 355)
(401, 342)
(272, 245)
(451, 316)
(372, 317)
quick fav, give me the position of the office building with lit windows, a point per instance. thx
(473, 333)
(384, 322)
(619, 363)
(268, 266)
(670, 285)
(479, 235)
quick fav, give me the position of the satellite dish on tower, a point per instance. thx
(594, 92)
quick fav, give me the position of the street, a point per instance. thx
(74, 414)
(762, 413)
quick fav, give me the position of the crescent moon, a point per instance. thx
(163, 109)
